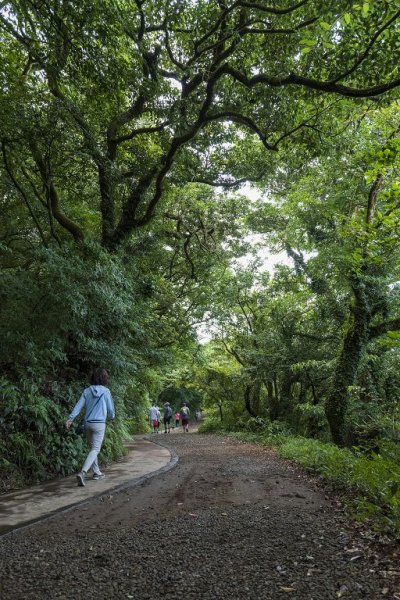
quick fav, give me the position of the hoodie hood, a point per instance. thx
(96, 390)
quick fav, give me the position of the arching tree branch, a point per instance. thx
(314, 84)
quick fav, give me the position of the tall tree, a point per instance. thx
(339, 223)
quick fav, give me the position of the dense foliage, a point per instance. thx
(127, 129)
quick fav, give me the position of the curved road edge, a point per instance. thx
(146, 458)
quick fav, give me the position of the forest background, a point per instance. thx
(128, 131)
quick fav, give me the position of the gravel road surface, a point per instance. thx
(231, 521)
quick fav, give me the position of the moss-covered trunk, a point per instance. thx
(348, 362)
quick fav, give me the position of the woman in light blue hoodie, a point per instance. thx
(98, 405)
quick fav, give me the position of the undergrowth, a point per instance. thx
(34, 443)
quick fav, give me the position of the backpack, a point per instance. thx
(168, 412)
(185, 411)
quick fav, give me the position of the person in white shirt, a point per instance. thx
(98, 404)
(154, 418)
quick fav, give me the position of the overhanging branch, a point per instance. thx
(314, 84)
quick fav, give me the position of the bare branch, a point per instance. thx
(271, 31)
(372, 197)
(299, 80)
(44, 203)
(243, 120)
(134, 111)
(141, 131)
(225, 184)
(52, 196)
(188, 257)
(170, 54)
(269, 9)
(233, 353)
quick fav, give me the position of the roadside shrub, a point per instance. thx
(33, 440)
(211, 424)
(310, 420)
(366, 423)
(275, 430)
(252, 424)
(326, 459)
(63, 315)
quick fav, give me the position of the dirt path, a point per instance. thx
(230, 521)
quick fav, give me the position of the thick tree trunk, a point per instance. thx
(256, 398)
(347, 367)
(286, 399)
(273, 401)
(247, 401)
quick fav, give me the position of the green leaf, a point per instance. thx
(308, 42)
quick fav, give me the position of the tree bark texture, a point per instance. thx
(348, 363)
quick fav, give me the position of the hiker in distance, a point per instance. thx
(167, 417)
(185, 414)
(154, 418)
(98, 404)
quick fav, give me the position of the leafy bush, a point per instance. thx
(275, 430)
(33, 439)
(326, 459)
(211, 424)
(310, 420)
(250, 423)
(368, 424)
(65, 318)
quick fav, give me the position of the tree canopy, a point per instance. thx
(107, 108)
